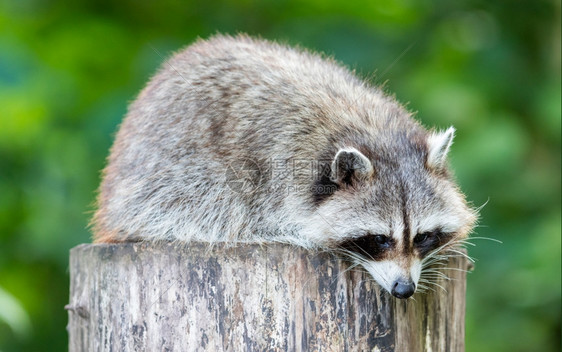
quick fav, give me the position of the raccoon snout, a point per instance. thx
(403, 289)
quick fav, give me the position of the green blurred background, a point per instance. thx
(490, 68)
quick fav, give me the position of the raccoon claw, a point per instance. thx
(403, 289)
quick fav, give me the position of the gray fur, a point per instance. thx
(263, 108)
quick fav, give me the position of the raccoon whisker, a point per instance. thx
(395, 61)
(461, 254)
(423, 288)
(465, 242)
(436, 256)
(433, 265)
(431, 270)
(348, 254)
(440, 258)
(438, 285)
(367, 254)
(457, 269)
(352, 267)
(325, 250)
(444, 253)
(435, 260)
(445, 259)
(423, 281)
(436, 251)
(433, 280)
(436, 276)
(441, 287)
(427, 287)
(477, 210)
(435, 273)
(382, 277)
(339, 277)
(485, 238)
(468, 241)
(354, 255)
(326, 221)
(481, 226)
(456, 244)
(356, 259)
(455, 256)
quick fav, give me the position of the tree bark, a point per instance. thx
(189, 297)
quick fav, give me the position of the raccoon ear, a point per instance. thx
(350, 166)
(439, 144)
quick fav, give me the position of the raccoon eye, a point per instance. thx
(369, 246)
(382, 240)
(425, 237)
(425, 242)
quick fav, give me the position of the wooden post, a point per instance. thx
(189, 297)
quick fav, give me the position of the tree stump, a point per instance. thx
(192, 297)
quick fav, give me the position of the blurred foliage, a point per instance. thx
(491, 68)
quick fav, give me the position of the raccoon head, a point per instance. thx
(395, 207)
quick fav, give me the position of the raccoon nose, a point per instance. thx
(403, 289)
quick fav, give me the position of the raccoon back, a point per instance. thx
(225, 105)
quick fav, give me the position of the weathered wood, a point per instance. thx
(175, 297)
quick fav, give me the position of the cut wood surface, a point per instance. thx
(189, 297)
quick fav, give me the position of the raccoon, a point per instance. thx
(238, 140)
